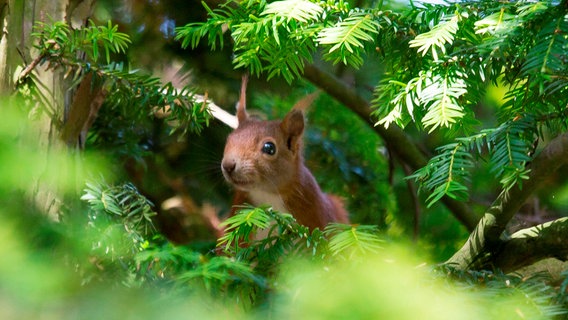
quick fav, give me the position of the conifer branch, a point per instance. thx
(486, 238)
(394, 137)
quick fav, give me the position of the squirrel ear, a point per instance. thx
(242, 114)
(293, 127)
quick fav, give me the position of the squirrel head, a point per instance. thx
(263, 155)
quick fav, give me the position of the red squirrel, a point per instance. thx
(264, 162)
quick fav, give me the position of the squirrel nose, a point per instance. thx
(229, 165)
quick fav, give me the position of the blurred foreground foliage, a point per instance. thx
(103, 258)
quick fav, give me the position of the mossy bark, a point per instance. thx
(487, 245)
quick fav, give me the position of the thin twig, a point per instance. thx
(35, 62)
(30, 68)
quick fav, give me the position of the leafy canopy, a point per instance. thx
(438, 61)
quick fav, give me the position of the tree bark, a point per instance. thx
(17, 19)
(527, 246)
(486, 242)
(8, 51)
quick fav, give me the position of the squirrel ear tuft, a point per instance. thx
(304, 103)
(242, 114)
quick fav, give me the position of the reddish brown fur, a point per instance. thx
(283, 179)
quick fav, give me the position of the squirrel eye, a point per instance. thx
(269, 148)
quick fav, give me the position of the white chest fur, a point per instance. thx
(260, 197)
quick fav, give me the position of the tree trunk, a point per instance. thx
(17, 18)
